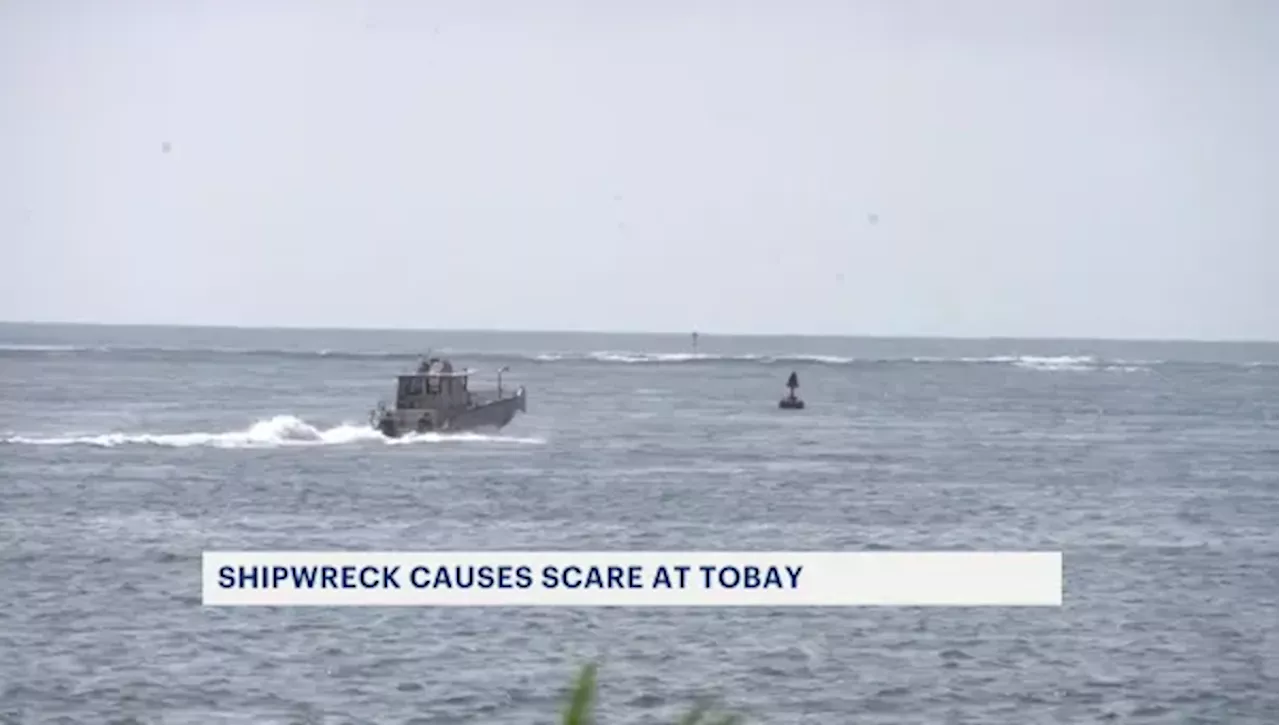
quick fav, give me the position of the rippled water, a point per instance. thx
(126, 452)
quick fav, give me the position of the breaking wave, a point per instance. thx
(280, 431)
(627, 357)
(607, 356)
(1074, 363)
(1078, 363)
(1028, 362)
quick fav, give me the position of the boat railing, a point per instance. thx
(485, 395)
(489, 395)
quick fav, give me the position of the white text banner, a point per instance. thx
(632, 579)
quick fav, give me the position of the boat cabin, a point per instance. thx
(434, 385)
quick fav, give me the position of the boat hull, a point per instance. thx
(494, 415)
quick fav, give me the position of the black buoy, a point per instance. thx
(791, 402)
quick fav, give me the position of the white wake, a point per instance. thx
(277, 432)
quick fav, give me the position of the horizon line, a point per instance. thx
(656, 333)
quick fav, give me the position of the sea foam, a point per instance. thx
(277, 432)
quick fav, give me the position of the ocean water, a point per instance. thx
(125, 452)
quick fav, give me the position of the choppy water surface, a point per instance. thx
(125, 452)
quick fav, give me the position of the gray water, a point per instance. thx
(125, 452)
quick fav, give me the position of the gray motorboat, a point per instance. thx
(436, 398)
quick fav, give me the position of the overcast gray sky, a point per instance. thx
(1074, 168)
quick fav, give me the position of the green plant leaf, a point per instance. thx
(701, 715)
(579, 710)
(695, 715)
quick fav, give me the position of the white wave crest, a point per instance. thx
(1077, 363)
(612, 356)
(1028, 362)
(653, 357)
(825, 359)
(280, 431)
(1126, 368)
(1062, 362)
